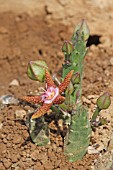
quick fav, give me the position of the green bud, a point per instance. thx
(104, 101)
(76, 78)
(82, 27)
(70, 88)
(67, 47)
(36, 70)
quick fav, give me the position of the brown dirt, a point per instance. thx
(30, 35)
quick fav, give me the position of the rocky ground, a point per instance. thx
(31, 31)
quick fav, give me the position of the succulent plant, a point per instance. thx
(66, 98)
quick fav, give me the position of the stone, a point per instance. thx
(21, 164)
(54, 147)
(34, 155)
(85, 100)
(23, 153)
(1, 117)
(60, 55)
(2, 136)
(9, 137)
(25, 133)
(38, 166)
(57, 163)
(15, 165)
(7, 163)
(107, 73)
(20, 114)
(17, 139)
(2, 148)
(48, 166)
(9, 145)
(3, 30)
(7, 99)
(59, 149)
(15, 158)
(92, 150)
(92, 96)
(2, 166)
(60, 123)
(42, 157)
(14, 83)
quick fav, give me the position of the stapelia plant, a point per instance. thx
(52, 95)
(67, 98)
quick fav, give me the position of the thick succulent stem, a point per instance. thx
(77, 138)
(74, 61)
(39, 131)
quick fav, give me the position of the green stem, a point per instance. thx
(96, 113)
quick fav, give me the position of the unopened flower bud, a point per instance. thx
(82, 27)
(67, 47)
(76, 78)
(36, 70)
(104, 101)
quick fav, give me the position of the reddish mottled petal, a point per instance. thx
(60, 99)
(32, 99)
(66, 82)
(49, 80)
(42, 110)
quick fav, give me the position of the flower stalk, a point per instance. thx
(103, 102)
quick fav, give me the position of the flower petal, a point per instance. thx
(32, 99)
(42, 110)
(66, 82)
(49, 81)
(60, 99)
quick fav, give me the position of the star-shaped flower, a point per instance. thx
(51, 96)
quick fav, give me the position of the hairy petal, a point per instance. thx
(66, 82)
(49, 81)
(60, 99)
(42, 110)
(32, 99)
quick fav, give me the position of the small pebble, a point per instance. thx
(20, 114)
(92, 150)
(17, 139)
(85, 100)
(7, 163)
(14, 83)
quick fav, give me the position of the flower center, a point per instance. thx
(50, 94)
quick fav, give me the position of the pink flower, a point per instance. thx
(51, 96)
